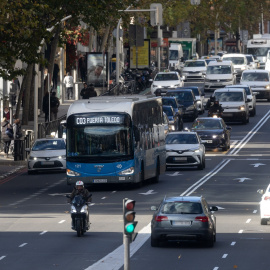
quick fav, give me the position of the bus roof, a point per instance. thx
(109, 104)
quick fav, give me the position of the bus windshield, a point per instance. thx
(99, 142)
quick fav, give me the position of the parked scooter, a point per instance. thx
(79, 214)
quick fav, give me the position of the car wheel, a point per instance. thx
(263, 221)
(154, 242)
(244, 120)
(210, 242)
(226, 147)
(202, 165)
(31, 172)
(253, 112)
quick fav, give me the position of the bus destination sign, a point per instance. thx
(99, 120)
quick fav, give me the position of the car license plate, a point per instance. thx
(181, 223)
(228, 114)
(180, 158)
(47, 163)
(207, 141)
(100, 180)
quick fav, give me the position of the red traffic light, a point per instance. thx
(129, 205)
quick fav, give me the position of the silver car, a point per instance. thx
(183, 218)
(47, 154)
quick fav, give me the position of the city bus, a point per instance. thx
(115, 140)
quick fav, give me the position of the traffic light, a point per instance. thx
(129, 216)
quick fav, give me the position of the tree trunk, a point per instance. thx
(29, 77)
(105, 38)
(91, 38)
(31, 98)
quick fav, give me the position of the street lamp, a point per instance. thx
(36, 79)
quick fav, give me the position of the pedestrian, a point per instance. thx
(54, 106)
(82, 67)
(45, 106)
(68, 81)
(55, 75)
(88, 91)
(6, 113)
(7, 135)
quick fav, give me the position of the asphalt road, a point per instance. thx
(35, 228)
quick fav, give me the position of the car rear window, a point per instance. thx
(181, 208)
(169, 102)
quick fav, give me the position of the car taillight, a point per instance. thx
(266, 198)
(161, 218)
(202, 219)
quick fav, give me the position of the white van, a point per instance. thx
(235, 104)
(175, 56)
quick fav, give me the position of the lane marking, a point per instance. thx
(22, 245)
(43, 232)
(233, 243)
(248, 221)
(224, 256)
(241, 231)
(103, 198)
(255, 211)
(216, 268)
(1, 258)
(62, 221)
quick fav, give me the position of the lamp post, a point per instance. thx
(36, 79)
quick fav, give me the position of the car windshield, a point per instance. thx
(168, 111)
(207, 124)
(218, 70)
(195, 64)
(173, 55)
(229, 96)
(181, 208)
(181, 139)
(169, 102)
(49, 145)
(258, 51)
(235, 60)
(166, 77)
(257, 77)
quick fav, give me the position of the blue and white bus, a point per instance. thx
(115, 140)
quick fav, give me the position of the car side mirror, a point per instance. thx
(261, 191)
(213, 208)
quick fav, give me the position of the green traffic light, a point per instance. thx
(129, 228)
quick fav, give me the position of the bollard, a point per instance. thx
(19, 149)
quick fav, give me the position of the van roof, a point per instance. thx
(222, 63)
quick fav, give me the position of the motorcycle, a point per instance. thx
(216, 114)
(79, 214)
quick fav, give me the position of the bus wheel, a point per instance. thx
(156, 178)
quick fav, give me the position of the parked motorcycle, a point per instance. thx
(79, 214)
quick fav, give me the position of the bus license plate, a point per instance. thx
(100, 180)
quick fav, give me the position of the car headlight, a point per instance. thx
(196, 150)
(267, 86)
(32, 158)
(243, 68)
(72, 173)
(127, 171)
(62, 157)
(214, 136)
(241, 108)
(84, 209)
(219, 135)
(73, 209)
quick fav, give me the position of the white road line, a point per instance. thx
(233, 243)
(22, 245)
(1, 258)
(248, 220)
(92, 204)
(62, 221)
(114, 191)
(43, 232)
(103, 198)
(241, 231)
(216, 268)
(255, 211)
(224, 256)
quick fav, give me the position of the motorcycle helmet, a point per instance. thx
(79, 185)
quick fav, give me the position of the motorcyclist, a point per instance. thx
(210, 102)
(215, 108)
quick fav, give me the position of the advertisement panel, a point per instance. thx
(143, 56)
(97, 66)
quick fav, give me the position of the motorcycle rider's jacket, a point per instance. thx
(215, 108)
(83, 192)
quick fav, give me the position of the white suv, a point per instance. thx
(219, 74)
(234, 101)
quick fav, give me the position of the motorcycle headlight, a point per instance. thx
(32, 158)
(267, 86)
(72, 173)
(127, 171)
(214, 136)
(241, 108)
(84, 209)
(73, 209)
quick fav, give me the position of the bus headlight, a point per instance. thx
(72, 173)
(127, 171)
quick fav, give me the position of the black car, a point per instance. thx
(173, 118)
(183, 218)
(186, 98)
(178, 109)
(213, 132)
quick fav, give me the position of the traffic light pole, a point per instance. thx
(126, 251)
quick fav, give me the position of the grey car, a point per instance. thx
(183, 218)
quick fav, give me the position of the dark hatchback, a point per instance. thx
(186, 98)
(173, 118)
(214, 133)
(183, 218)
